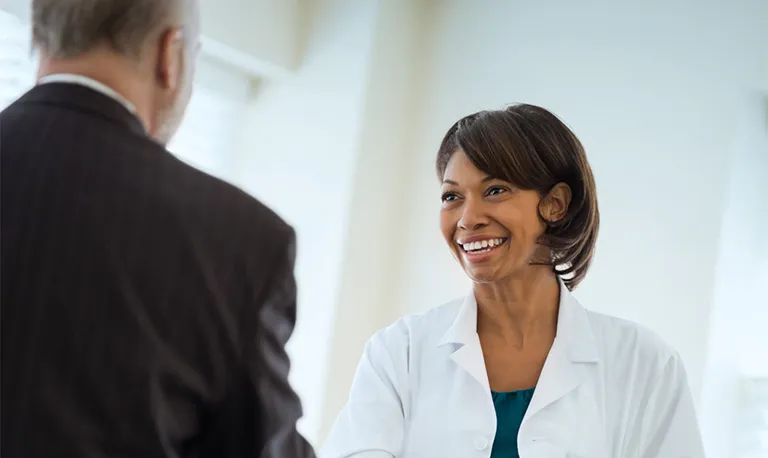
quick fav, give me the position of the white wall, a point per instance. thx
(366, 299)
(266, 34)
(19, 8)
(298, 154)
(737, 340)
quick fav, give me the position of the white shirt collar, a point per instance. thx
(89, 83)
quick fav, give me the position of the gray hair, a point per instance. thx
(69, 28)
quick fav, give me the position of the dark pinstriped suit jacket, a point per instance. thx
(145, 305)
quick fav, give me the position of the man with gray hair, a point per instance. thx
(145, 305)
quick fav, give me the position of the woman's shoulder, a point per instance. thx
(419, 328)
(624, 340)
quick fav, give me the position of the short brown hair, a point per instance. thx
(531, 148)
(69, 28)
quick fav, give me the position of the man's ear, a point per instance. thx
(554, 206)
(170, 65)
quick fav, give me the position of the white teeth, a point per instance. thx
(482, 245)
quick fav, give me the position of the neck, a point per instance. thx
(519, 308)
(121, 74)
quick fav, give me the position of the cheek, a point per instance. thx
(447, 226)
(530, 230)
(523, 224)
(513, 220)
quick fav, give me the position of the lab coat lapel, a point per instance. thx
(468, 353)
(574, 346)
(564, 368)
(470, 358)
(558, 377)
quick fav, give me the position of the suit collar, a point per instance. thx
(84, 99)
(574, 331)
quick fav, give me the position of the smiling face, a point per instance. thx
(492, 227)
(517, 192)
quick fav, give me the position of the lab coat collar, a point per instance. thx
(574, 344)
(574, 331)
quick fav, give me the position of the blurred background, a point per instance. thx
(335, 110)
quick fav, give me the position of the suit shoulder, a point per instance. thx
(232, 204)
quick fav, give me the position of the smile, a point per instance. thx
(482, 246)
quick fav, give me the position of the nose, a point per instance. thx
(473, 215)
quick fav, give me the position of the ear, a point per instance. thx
(554, 206)
(170, 65)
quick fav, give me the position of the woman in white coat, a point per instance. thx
(518, 367)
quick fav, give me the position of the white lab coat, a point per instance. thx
(609, 389)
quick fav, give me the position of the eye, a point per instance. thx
(449, 197)
(495, 190)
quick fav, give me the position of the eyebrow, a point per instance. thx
(485, 180)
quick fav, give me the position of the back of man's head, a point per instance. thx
(141, 48)
(69, 28)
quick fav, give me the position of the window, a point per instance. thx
(206, 139)
(17, 72)
(208, 136)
